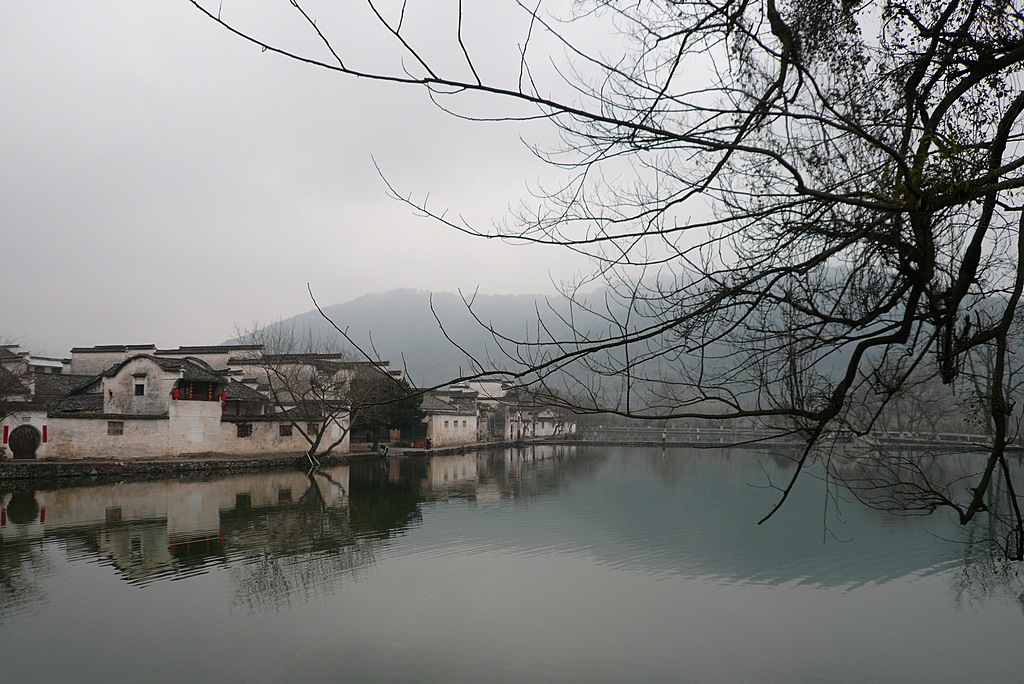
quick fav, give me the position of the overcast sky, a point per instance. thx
(161, 180)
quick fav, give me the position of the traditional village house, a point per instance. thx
(489, 410)
(530, 418)
(148, 406)
(131, 401)
(28, 384)
(493, 413)
(511, 413)
(312, 389)
(450, 417)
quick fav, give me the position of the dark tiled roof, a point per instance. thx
(309, 359)
(59, 385)
(277, 359)
(242, 392)
(12, 383)
(6, 353)
(309, 411)
(192, 369)
(80, 403)
(16, 406)
(211, 349)
(105, 348)
(433, 405)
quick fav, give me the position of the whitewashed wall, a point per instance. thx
(452, 429)
(192, 427)
(93, 362)
(38, 420)
(119, 391)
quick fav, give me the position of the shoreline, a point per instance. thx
(65, 470)
(210, 464)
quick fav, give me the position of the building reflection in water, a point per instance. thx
(149, 530)
(288, 536)
(153, 529)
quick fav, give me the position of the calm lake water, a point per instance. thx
(544, 565)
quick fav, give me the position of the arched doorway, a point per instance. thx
(24, 440)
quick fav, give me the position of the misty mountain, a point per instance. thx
(430, 336)
(411, 328)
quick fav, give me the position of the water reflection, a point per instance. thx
(548, 564)
(290, 535)
(265, 524)
(700, 522)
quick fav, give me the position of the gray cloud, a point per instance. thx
(161, 180)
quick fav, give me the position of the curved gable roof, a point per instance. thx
(190, 368)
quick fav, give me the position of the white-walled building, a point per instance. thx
(489, 410)
(449, 423)
(145, 402)
(137, 401)
(28, 383)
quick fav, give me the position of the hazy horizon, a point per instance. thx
(164, 181)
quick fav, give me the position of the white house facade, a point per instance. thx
(148, 403)
(449, 423)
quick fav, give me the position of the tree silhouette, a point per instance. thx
(780, 198)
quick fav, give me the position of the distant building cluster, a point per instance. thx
(137, 401)
(488, 411)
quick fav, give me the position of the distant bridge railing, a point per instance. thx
(739, 435)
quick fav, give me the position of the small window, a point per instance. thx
(140, 388)
(244, 429)
(446, 423)
(285, 430)
(115, 427)
(463, 423)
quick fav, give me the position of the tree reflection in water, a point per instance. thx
(985, 573)
(288, 537)
(925, 481)
(312, 547)
(596, 561)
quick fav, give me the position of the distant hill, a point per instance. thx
(401, 327)
(430, 335)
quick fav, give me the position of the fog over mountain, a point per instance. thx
(411, 328)
(430, 335)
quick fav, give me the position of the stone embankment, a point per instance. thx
(206, 465)
(196, 465)
(199, 465)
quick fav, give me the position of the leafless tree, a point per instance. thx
(322, 390)
(13, 378)
(381, 401)
(914, 401)
(307, 379)
(778, 195)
